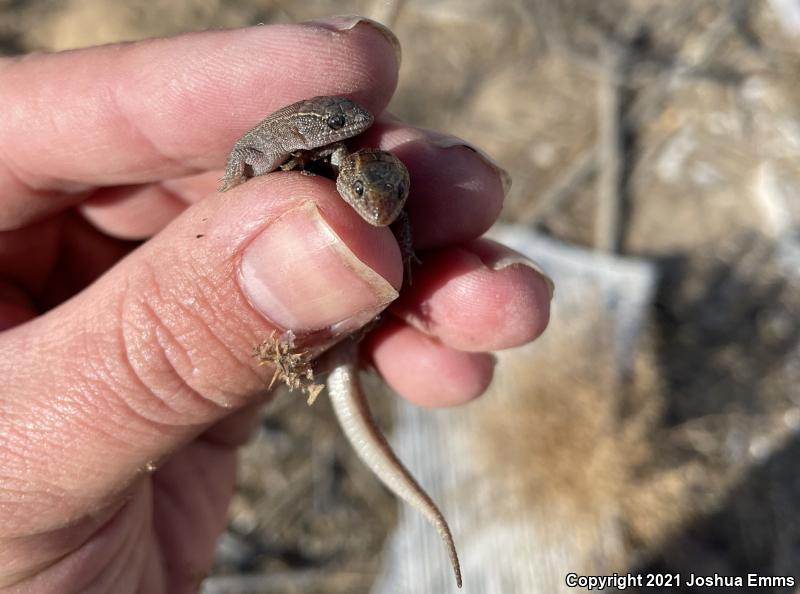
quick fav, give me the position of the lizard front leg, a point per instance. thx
(245, 162)
(301, 159)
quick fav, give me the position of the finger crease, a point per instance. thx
(132, 124)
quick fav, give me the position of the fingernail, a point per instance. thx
(301, 276)
(513, 259)
(447, 141)
(347, 22)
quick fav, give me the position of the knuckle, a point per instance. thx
(185, 370)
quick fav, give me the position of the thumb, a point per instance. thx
(161, 346)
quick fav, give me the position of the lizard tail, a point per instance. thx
(356, 420)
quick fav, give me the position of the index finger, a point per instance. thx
(160, 108)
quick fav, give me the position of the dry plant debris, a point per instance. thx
(291, 367)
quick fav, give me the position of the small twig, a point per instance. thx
(645, 108)
(651, 102)
(608, 222)
(554, 36)
(551, 200)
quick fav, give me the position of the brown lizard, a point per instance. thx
(307, 125)
(376, 184)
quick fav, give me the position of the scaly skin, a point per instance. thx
(376, 183)
(355, 419)
(302, 126)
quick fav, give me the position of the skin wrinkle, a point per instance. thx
(143, 305)
(129, 550)
(118, 388)
(47, 119)
(125, 411)
(98, 582)
(21, 456)
(14, 171)
(133, 124)
(13, 446)
(152, 567)
(165, 513)
(113, 118)
(33, 572)
(123, 416)
(69, 500)
(15, 178)
(161, 330)
(19, 210)
(242, 356)
(224, 395)
(123, 542)
(160, 322)
(41, 438)
(17, 513)
(203, 499)
(52, 565)
(128, 357)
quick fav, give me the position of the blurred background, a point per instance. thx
(654, 428)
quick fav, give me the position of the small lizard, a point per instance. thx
(376, 184)
(304, 126)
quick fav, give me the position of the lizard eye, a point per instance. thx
(358, 187)
(336, 121)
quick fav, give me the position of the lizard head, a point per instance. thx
(375, 183)
(330, 119)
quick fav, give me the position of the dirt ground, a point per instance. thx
(707, 110)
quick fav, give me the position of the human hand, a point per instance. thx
(129, 376)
